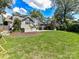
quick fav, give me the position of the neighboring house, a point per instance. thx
(5, 20)
(38, 23)
(1, 19)
(27, 23)
(1, 22)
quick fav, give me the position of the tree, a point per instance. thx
(16, 14)
(4, 4)
(17, 25)
(36, 14)
(65, 8)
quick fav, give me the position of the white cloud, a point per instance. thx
(39, 4)
(20, 10)
(16, 9)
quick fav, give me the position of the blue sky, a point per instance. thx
(47, 11)
(76, 16)
(25, 6)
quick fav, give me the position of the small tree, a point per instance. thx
(17, 25)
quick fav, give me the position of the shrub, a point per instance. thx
(62, 27)
(73, 28)
(22, 29)
(17, 25)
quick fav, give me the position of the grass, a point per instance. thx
(48, 45)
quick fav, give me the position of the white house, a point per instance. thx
(1, 19)
(27, 23)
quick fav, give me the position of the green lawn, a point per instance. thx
(47, 45)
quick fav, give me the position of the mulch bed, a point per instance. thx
(25, 34)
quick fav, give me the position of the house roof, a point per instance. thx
(26, 18)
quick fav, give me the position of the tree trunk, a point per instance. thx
(64, 18)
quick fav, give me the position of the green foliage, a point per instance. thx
(73, 28)
(4, 4)
(36, 14)
(65, 8)
(63, 27)
(17, 25)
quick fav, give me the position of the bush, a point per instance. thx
(0, 36)
(73, 28)
(62, 27)
(22, 29)
(17, 25)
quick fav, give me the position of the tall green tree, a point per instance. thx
(65, 8)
